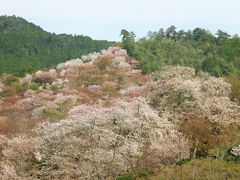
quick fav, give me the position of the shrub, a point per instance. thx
(57, 113)
(110, 90)
(4, 125)
(103, 63)
(126, 176)
(45, 77)
(120, 77)
(20, 88)
(14, 87)
(15, 119)
(33, 86)
(12, 99)
(235, 82)
(209, 137)
(9, 79)
(23, 87)
(90, 75)
(11, 84)
(56, 87)
(53, 113)
(9, 90)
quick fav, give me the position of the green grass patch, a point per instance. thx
(58, 113)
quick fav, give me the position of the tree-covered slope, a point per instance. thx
(25, 47)
(217, 54)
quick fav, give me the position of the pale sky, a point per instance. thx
(104, 19)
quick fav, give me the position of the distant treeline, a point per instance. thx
(25, 47)
(217, 54)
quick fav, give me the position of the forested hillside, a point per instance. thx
(25, 47)
(218, 54)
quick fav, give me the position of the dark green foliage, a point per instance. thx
(56, 87)
(25, 47)
(126, 176)
(217, 66)
(153, 54)
(219, 55)
(128, 39)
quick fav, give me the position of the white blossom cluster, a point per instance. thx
(35, 102)
(69, 70)
(91, 57)
(236, 151)
(134, 72)
(8, 171)
(134, 90)
(94, 141)
(70, 64)
(111, 52)
(114, 51)
(27, 78)
(17, 153)
(51, 74)
(120, 62)
(180, 89)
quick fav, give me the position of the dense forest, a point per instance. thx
(217, 54)
(25, 47)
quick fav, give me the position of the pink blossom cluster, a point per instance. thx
(135, 91)
(95, 141)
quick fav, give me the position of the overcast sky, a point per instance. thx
(104, 19)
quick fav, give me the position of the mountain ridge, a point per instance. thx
(25, 47)
(14, 24)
